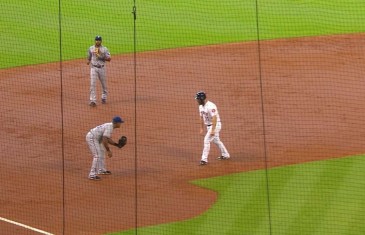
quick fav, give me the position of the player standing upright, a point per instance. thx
(96, 57)
(211, 121)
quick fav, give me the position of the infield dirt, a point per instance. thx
(302, 102)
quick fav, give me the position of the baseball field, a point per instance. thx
(288, 80)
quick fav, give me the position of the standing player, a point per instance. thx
(96, 57)
(211, 121)
(98, 140)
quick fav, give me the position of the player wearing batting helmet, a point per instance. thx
(211, 122)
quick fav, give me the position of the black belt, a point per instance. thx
(209, 125)
(98, 65)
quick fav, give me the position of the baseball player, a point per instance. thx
(98, 140)
(97, 55)
(211, 121)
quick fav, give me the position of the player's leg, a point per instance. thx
(93, 78)
(94, 149)
(219, 143)
(102, 77)
(101, 161)
(207, 139)
(222, 148)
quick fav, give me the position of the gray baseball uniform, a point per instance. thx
(97, 71)
(93, 139)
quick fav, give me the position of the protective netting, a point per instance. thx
(286, 78)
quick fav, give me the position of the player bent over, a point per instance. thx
(211, 121)
(98, 140)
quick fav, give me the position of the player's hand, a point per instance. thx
(201, 131)
(110, 154)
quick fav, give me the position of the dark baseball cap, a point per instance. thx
(98, 38)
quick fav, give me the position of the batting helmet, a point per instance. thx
(98, 38)
(200, 95)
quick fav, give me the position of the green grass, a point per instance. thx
(317, 198)
(30, 29)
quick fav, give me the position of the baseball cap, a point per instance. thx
(98, 38)
(117, 119)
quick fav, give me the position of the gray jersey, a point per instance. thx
(105, 129)
(98, 61)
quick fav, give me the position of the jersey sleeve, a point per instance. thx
(213, 110)
(107, 53)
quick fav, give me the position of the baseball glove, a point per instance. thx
(122, 141)
(96, 51)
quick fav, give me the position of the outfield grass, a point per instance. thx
(317, 198)
(31, 28)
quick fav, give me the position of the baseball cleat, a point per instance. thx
(95, 177)
(223, 158)
(103, 101)
(92, 104)
(105, 173)
(203, 163)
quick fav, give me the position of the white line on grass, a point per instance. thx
(25, 226)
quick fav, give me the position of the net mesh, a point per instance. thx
(286, 79)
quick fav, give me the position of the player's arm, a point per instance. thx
(107, 56)
(202, 125)
(214, 124)
(107, 141)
